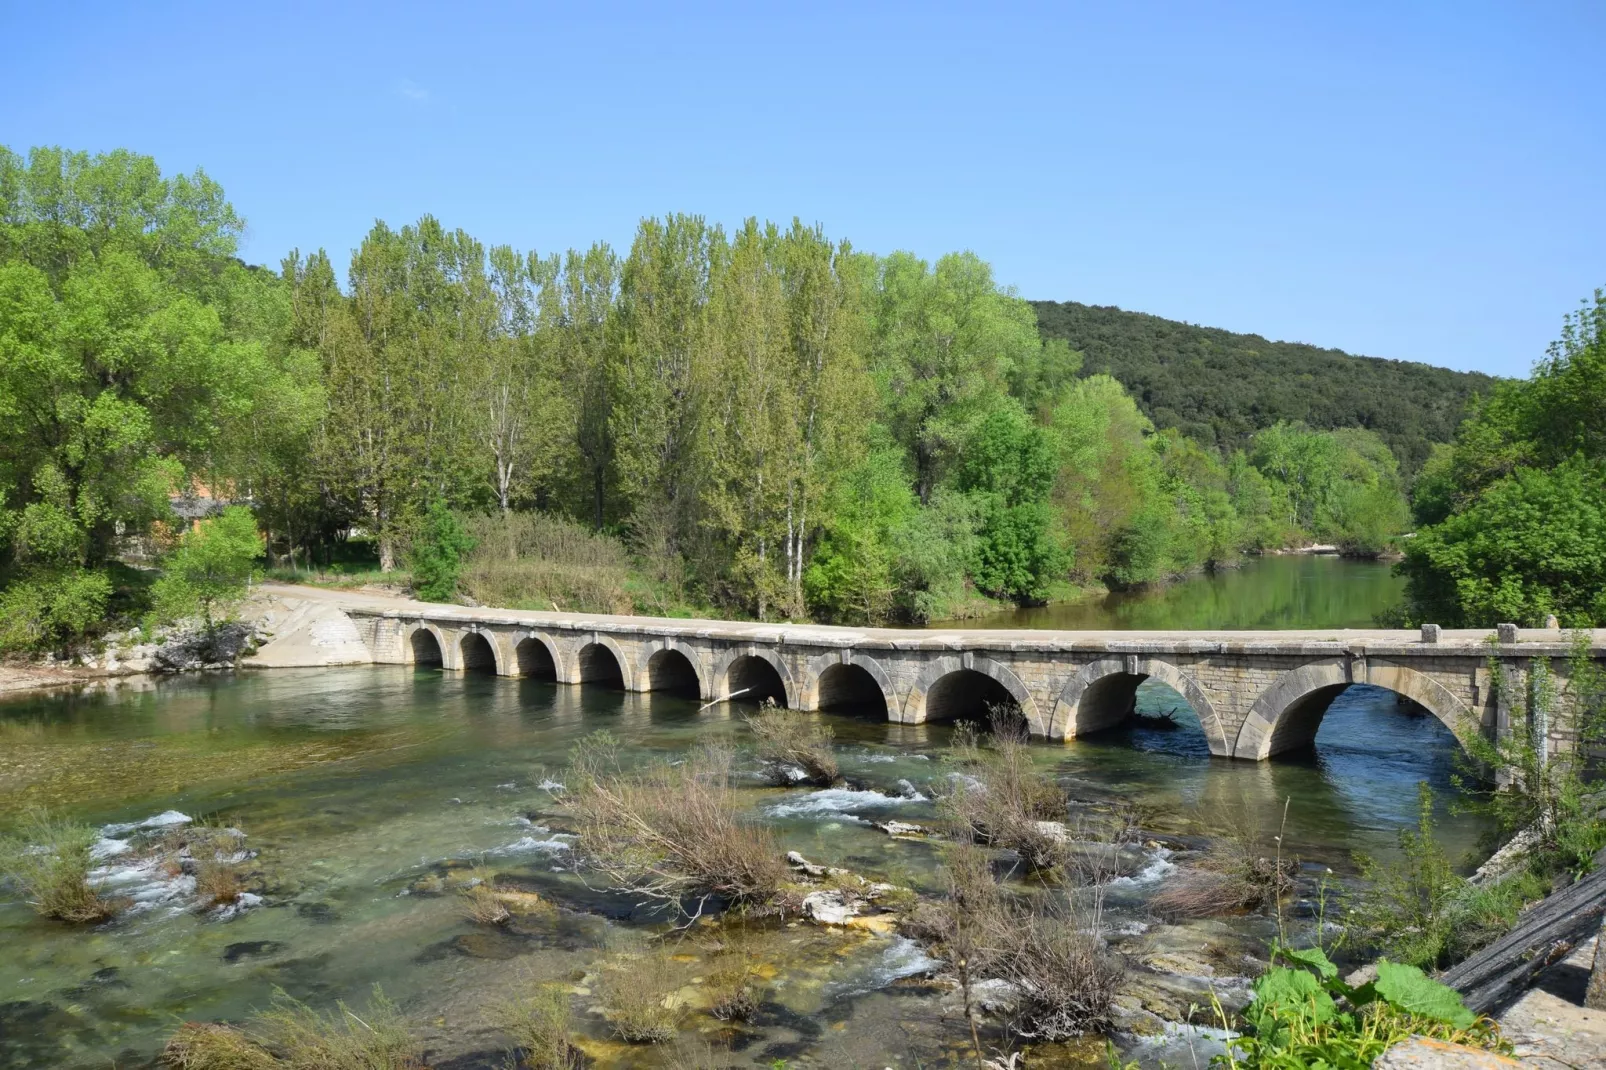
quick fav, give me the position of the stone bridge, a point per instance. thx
(1256, 694)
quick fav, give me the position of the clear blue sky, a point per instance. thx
(1420, 181)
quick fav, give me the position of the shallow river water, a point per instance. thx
(358, 787)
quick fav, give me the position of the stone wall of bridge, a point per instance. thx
(1255, 694)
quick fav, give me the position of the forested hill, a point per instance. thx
(1221, 387)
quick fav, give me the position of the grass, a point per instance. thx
(538, 561)
(637, 992)
(341, 1039)
(673, 832)
(50, 859)
(208, 1046)
(481, 905)
(292, 1036)
(213, 852)
(789, 740)
(734, 987)
(1011, 804)
(539, 1023)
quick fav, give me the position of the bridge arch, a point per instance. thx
(477, 653)
(425, 645)
(1101, 695)
(1287, 714)
(848, 679)
(950, 687)
(670, 665)
(602, 661)
(735, 670)
(538, 656)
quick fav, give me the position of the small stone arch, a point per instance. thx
(832, 678)
(730, 659)
(916, 708)
(425, 645)
(1100, 696)
(1287, 714)
(665, 666)
(591, 663)
(478, 653)
(538, 656)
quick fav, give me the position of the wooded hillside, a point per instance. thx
(1219, 387)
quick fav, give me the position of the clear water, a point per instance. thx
(355, 784)
(1286, 591)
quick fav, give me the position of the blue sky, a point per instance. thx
(1419, 181)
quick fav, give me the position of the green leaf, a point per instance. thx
(1313, 958)
(1284, 993)
(1407, 988)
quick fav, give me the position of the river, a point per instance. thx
(360, 789)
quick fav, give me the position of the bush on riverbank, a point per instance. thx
(794, 746)
(672, 832)
(49, 859)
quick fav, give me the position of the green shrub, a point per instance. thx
(49, 859)
(437, 554)
(49, 609)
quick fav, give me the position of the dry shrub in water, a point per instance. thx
(788, 740)
(637, 996)
(1049, 949)
(305, 1039)
(672, 832)
(207, 1046)
(218, 883)
(1238, 873)
(538, 1024)
(49, 859)
(1010, 803)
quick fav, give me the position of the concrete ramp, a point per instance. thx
(305, 634)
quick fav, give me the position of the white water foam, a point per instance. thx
(838, 801)
(1158, 865)
(902, 958)
(165, 819)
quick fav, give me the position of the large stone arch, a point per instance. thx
(445, 648)
(719, 679)
(520, 661)
(607, 642)
(474, 645)
(649, 650)
(817, 667)
(1287, 714)
(1123, 674)
(914, 707)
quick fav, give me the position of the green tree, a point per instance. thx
(1514, 512)
(210, 569)
(1009, 466)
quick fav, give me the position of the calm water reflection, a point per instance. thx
(1292, 591)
